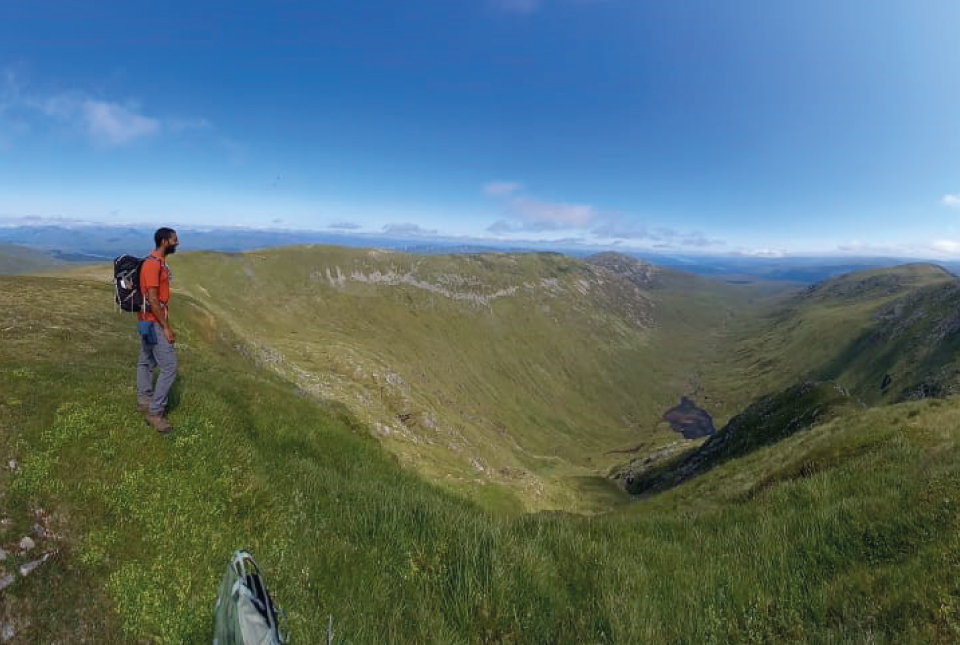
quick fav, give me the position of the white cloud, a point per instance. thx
(407, 229)
(529, 213)
(612, 226)
(698, 240)
(763, 253)
(542, 215)
(113, 125)
(952, 200)
(105, 122)
(344, 226)
(949, 247)
(526, 213)
(502, 188)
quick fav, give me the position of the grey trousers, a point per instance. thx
(161, 354)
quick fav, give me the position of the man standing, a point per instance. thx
(156, 334)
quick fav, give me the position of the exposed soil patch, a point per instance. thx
(689, 420)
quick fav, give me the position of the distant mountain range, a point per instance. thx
(92, 243)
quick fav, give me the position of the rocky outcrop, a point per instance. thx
(640, 273)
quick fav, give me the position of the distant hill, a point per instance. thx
(793, 269)
(884, 334)
(15, 259)
(877, 283)
(87, 241)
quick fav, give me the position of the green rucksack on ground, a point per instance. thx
(245, 613)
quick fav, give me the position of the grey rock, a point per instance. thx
(27, 543)
(6, 581)
(13, 464)
(3, 555)
(7, 633)
(28, 568)
(39, 531)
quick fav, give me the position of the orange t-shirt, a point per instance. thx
(154, 273)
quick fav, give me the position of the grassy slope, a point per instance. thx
(767, 421)
(530, 390)
(855, 329)
(15, 259)
(847, 532)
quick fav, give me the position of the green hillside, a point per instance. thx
(15, 260)
(845, 531)
(523, 371)
(886, 335)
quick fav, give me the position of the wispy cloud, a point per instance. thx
(526, 213)
(502, 188)
(533, 214)
(344, 226)
(407, 229)
(615, 227)
(697, 239)
(947, 247)
(115, 125)
(105, 122)
(500, 227)
(762, 253)
(542, 215)
(952, 201)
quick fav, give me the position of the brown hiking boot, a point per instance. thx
(158, 423)
(143, 408)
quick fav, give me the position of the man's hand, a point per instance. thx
(160, 314)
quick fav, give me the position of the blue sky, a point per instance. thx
(713, 127)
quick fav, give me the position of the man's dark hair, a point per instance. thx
(161, 235)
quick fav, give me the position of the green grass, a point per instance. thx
(846, 532)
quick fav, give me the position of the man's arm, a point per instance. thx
(158, 312)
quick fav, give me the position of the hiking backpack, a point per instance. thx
(126, 283)
(245, 613)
